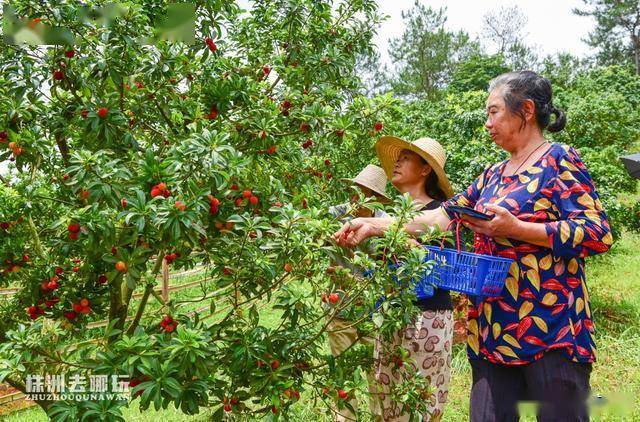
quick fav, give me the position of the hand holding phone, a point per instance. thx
(471, 212)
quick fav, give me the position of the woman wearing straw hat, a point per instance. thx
(342, 331)
(417, 168)
(535, 340)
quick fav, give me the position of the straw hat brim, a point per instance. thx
(388, 149)
(376, 191)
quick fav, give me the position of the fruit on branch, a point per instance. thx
(168, 324)
(69, 54)
(58, 75)
(333, 298)
(377, 126)
(102, 112)
(122, 266)
(212, 45)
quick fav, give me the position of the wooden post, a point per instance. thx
(165, 281)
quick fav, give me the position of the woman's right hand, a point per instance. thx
(354, 232)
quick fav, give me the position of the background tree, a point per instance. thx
(617, 33)
(504, 29)
(426, 53)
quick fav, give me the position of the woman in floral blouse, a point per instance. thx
(534, 342)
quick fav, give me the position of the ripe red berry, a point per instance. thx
(334, 298)
(58, 270)
(77, 307)
(84, 114)
(227, 408)
(254, 200)
(246, 194)
(239, 202)
(304, 127)
(102, 112)
(3, 135)
(73, 235)
(70, 315)
(324, 297)
(76, 269)
(266, 70)
(212, 45)
(342, 394)
(122, 266)
(155, 192)
(234, 187)
(69, 54)
(274, 410)
(74, 227)
(123, 202)
(102, 279)
(275, 364)
(84, 302)
(58, 75)
(377, 126)
(180, 206)
(271, 150)
(340, 133)
(288, 268)
(226, 271)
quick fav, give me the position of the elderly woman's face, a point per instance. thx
(501, 123)
(409, 169)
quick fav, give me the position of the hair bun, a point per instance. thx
(560, 122)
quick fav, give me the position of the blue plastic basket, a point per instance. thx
(466, 272)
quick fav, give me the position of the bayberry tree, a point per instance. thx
(222, 154)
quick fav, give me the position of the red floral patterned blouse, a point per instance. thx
(545, 302)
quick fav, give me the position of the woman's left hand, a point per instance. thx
(504, 224)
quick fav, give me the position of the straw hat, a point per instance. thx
(371, 177)
(389, 148)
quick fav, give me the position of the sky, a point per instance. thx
(551, 26)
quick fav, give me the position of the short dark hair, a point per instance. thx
(525, 85)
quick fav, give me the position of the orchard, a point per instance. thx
(122, 158)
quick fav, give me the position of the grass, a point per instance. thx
(614, 285)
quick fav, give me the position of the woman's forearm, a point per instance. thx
(432, 218)
(534, 233)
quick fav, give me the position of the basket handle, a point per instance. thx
(456, 221)
(483, 244)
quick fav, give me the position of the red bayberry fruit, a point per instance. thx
(3, 135)
(334, 298)
(58, 75)
(288, 268)
(180, 206)
(227, 408)
(73, 227)
(73, 235)
(58, 270)
(70, 315)
(102, 279)
(275, 364)
(266, 70)
(155, 192)
(25, 258)
(226, 271)
(77, 307)
(69, 54)
(234, 187)
(122, 266)
(84, 302)
(377, 126)
(340, 133)
(324, 298)
(304, 127)
(76, 269)
(254, 200)
(212, 45)
(342, 394)
(123, 202)
(246, 194)
(102, 112)
(271, 150)
(239, 202)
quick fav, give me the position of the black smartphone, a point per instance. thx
(471, 212)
